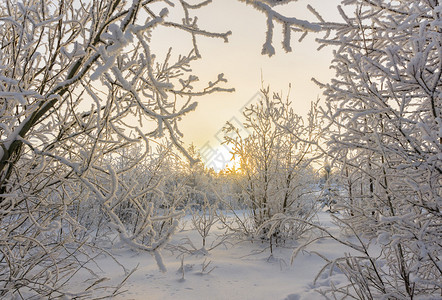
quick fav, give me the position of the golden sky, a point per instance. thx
(242, 64)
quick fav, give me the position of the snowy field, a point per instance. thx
(236, 270)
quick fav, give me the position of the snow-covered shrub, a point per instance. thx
(274, 163)
(203, 218)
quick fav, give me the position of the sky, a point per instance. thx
(244, 67)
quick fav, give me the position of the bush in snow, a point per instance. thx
(274, 163)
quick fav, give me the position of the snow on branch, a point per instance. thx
(288, 24)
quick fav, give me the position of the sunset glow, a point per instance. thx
(247, 70)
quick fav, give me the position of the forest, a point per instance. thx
(100, 197)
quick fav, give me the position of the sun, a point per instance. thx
(219, 158)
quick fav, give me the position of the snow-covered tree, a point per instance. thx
(384, 107)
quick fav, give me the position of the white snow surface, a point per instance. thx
(243, 270)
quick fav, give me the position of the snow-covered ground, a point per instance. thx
(242, 270)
